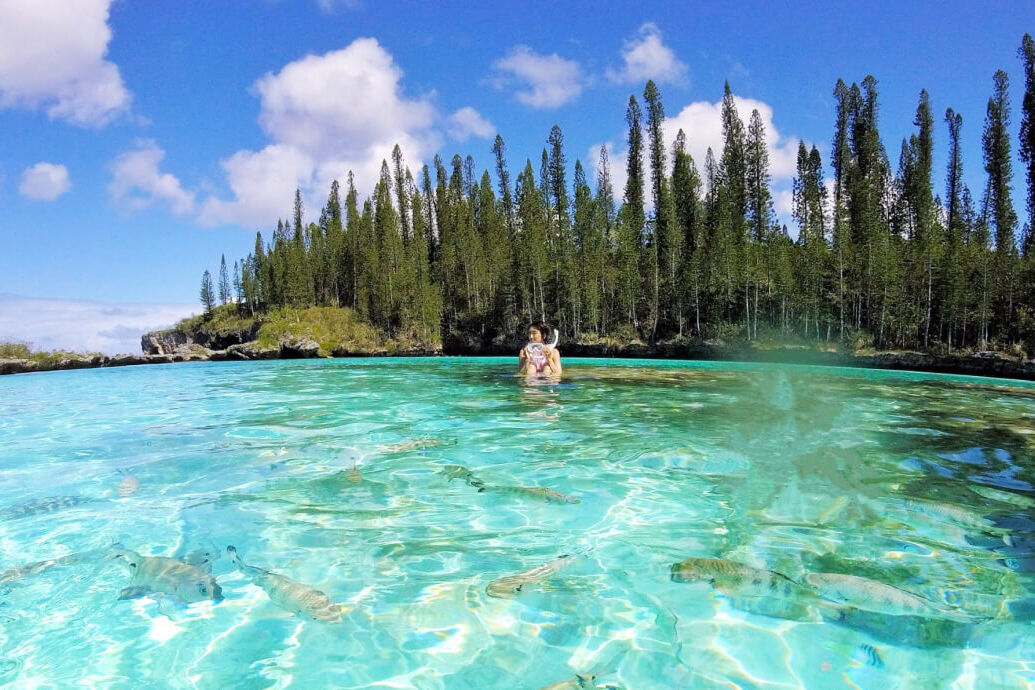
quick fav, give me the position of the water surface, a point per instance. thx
(919, 481)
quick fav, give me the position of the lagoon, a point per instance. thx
(333, 473)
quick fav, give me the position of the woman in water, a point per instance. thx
(539, 358)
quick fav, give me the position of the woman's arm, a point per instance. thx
(555, 360)
(522, 361)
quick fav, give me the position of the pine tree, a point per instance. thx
(224, 281)
(759, 202)
(664, 240)
(1027, 135)
(335, 251)
(563, 255)
(402, 197)
(999, 213)
(686, 191)
(732, 200)
(809, 196)
(955, 269)
(925, 235)
(841, 160)
(238, 286)
(632, 217)
(589, 247)
(207, 298)
(606, 218)
(262, 275)
(533, 267)
(499, 150)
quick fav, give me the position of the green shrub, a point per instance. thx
(332, 328)
(14, 350)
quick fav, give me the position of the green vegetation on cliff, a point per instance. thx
(336, 330)
(24, 351)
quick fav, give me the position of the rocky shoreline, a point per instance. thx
(165, 347)
(74, 361)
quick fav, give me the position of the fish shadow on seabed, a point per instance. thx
(921, 632)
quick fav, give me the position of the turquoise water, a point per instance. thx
(333, 473)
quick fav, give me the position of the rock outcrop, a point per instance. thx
(173, 341)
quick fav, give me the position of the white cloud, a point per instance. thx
(52, 57)
(137, 182)
(468, 122)
(702, 123)
(328, 6)
(647, 57)
(783, 203)
(550, 80)
(44, 182)
(325, 115)
(81, 325)
(264, 184)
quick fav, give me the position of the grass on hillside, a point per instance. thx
(332, 328)
(224, 319)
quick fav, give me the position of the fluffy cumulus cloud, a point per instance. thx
(701, 122)
(137, 182)
(84, 326)
(325, 115)
(647, 57)
(44, 182)
(52, 56)
(468, 122)
(546, 81)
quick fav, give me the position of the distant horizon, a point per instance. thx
(86, 325)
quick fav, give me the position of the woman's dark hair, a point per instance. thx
(543, 329)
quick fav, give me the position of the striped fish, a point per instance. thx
(511, 585)
(870, 595)
(540, 492)
(867, 656)
(37, 506)
(154, 575)
(300, 599)
(737, 579)
(17, 573)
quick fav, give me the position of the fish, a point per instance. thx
(579, 681)
(300, 599)
(154, 575)
(922, 632)
(867, 655)
(948, 512)
(37, 506)
(542, 492)
(1011, 497)
(460, 472)
(738, 579)
(353, 475)
(416, 444)
(511, 585)
(129, 484)
(871, 595)
(17, 573)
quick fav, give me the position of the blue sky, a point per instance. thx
(139, 140)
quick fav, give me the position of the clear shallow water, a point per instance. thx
(922, 482)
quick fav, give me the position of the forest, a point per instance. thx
(688, 248)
